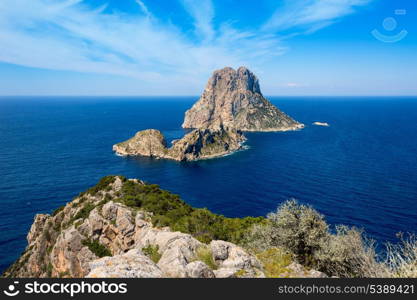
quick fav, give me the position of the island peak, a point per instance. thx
(234, 98)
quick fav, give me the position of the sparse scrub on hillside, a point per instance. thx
(152, 252)
(303, 232)
(205, 255)
(402, 259)
(169, 210)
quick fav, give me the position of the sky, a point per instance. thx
(171, 47)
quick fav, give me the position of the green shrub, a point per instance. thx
(240, 273)
(303, 232)
(97, 248)
(49, 269)
(58, 210)
(299, 229)
(83, 212)
(347, 253)
(275, 262)
(205, 255)
(102, 185)
(169, 210)
(152, 252)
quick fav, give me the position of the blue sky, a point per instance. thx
(170, 47)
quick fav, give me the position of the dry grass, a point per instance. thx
(275, 262)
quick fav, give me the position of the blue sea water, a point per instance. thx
(362, 170)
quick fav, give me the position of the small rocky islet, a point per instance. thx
(232, 103)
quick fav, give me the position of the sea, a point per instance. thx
(360, 171)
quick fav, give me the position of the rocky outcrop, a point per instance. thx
(198, 144)
(96, 236)
(149, 142)
(133, 264)
(233, 98)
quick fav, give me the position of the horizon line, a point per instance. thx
(198, 96)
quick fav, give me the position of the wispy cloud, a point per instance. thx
(311, 14)
(144, 8)
(69, 35)
(203, 13)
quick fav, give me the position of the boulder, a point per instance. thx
(132, 264)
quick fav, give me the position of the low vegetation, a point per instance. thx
(302, 232)
(152, 252)
(97, 248)
(205, 255)
(275, 262)
(169, 210)
(103, 185)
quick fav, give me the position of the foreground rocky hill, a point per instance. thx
(231, 103)
(233, 98)
(121, 228)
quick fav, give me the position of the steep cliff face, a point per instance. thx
(233, 98)
(198, 144)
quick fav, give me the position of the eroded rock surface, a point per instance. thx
(233, 98)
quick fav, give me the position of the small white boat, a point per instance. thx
(321, 124)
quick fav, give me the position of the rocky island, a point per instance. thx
(231, 103)
(233, 98)
(201, 143)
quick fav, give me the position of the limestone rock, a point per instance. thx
(132, 264)
(295, 270)
(232, 257)
(225, 273)
(149, 142)
(198, 269)
(234, 99)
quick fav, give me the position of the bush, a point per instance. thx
(274, 261)
(402, 258)
(85, 211)
(205, 255)
(58, 210)
(303, 232)
(299, 229)
(152, 252)
(102, 185)
(169, 210)
(97, 248)
(348, 253)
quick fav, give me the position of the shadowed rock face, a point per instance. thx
(234, 99)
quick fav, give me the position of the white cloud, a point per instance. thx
(68, 35)
(311, 14)
(203, 13)
(144, 8)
